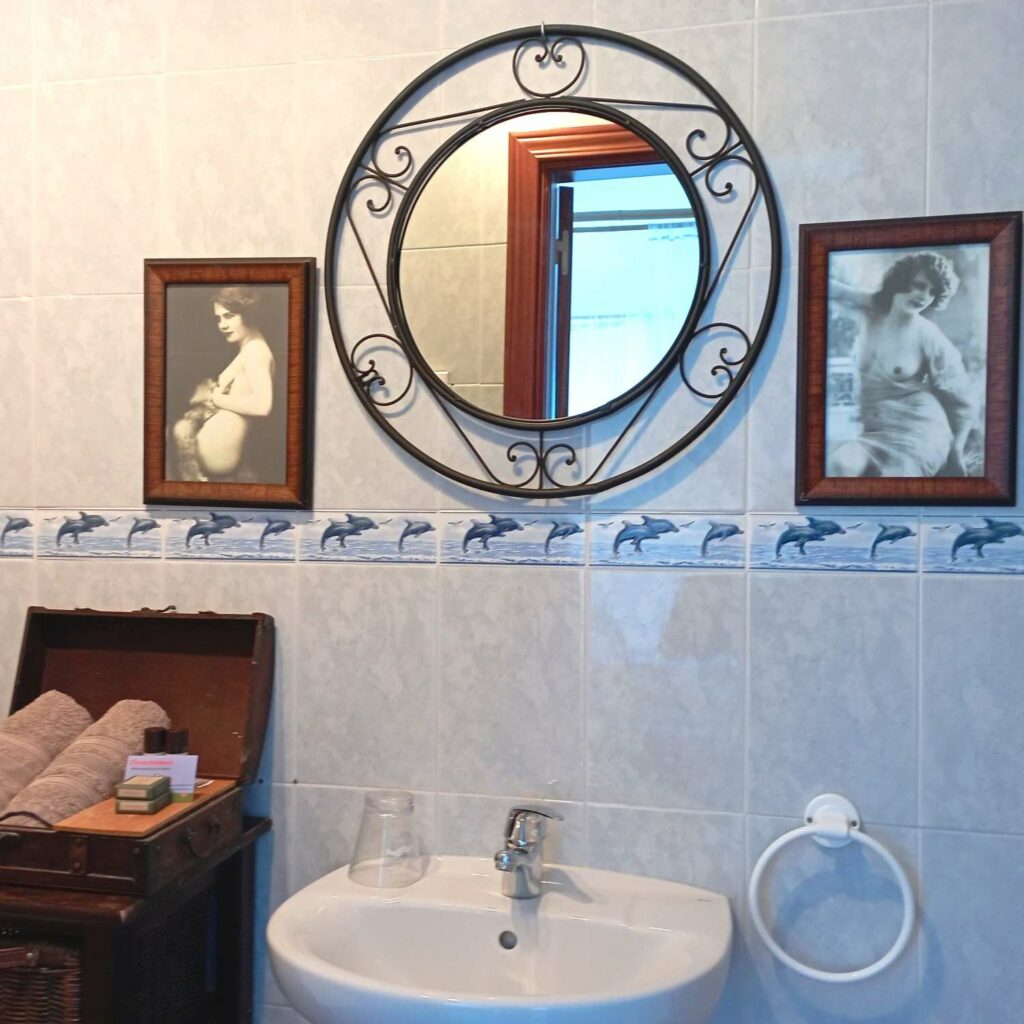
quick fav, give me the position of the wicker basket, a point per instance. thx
(40, 980)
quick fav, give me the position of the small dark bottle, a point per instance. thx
(177, 741)
(154, 740)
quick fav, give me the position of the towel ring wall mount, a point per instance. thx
(832, 821)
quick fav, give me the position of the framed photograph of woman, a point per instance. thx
(228, 391)
(908, 349)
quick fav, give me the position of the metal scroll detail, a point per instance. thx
(712, 356)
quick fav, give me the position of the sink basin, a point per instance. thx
(596, 946)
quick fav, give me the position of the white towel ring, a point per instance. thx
(832, 821)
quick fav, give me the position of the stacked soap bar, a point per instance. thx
(143, 794)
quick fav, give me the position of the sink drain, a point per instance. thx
(508, 940)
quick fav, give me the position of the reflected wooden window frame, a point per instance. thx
(534, 157)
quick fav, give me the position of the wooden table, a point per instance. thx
(106, 926)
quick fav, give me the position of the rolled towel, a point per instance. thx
(89, 769)
(32, 737)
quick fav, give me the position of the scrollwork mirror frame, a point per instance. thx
(541, 458)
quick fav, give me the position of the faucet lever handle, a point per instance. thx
(528, 824)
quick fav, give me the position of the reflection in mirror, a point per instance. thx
(549, 265)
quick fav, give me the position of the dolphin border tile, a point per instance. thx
(118, 527)
(701, 541)
(18, 534)
(399, 538)
(537, 537)
(861, 551)
(256, 541)
(956, 544)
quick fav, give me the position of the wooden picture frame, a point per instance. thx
(908, 344)
(220, 429)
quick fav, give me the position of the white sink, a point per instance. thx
(596, 946)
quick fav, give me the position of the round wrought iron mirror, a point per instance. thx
(543, 291)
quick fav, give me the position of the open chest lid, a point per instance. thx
(211, 673)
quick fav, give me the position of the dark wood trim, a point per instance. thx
(1002, 232)
(532, 158)
(300, 277)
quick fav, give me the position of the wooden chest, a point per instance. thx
(211, 673)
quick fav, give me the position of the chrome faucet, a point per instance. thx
(521, 860)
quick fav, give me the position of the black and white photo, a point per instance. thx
(906, 362)
(228, 365)
(908, 356)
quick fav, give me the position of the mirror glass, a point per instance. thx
(548, 265)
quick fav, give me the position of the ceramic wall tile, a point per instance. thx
(971, 543)
(17, 593)
(243, 205)
(260, 32)
(833, 692)
(972, 761)
(270, 1014)
(70, 41)
(838, 910)
(98, 154)
(16, 53)
(666, 689)
(229, 588)
(468, 20)
(369, 537)
(868, 542)
(87, 443)
(825, 163)
(473, 826)
(973, 903)
(529, 538)
(231, 535)
(271, 890)
(368, 28)
(17, 355)
(511, 654)
(367, 681)
(16, 181)
(699, 849)
(361, 88)
(326, 824)
(64, 533)
(792, 8)
(975, 94)
(681, 540)
(643, 15)
(18, 533)
(100, 583)
(356, 465)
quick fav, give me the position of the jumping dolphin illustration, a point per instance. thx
(825, 527)
(637, 533)
(507, 523)
(341, 529)
(140, 526)
(889, 535)
(798, 535)
(360, 522)
(14, 523)
(995, 531)
(206, 528)
(414, 528)
(85, 523)
(560, 530)
(273, 527)
(486, 532)
(718, 531)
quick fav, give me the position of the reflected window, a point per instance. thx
(624, 265)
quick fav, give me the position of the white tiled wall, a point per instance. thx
(683, 718)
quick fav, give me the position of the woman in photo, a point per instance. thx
(915, 397)
(210, 438)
